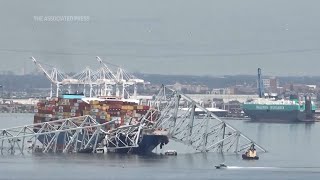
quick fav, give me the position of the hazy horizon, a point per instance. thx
(164, 74)
(205, 37)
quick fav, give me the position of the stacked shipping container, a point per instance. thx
(101, 110)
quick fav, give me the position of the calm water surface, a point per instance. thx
(293, 154)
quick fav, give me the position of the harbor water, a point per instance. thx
(293, 153)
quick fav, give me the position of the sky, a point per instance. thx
(206, 37)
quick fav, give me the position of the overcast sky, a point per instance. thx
(200, 37)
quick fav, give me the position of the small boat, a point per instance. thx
(221, 166)
(171, 152)
(251, 154)
(100, 150)
(245, 157)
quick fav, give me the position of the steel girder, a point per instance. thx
(123, 137)
(204, 133)
(65, 135)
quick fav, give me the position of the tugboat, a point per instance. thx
(251, 154)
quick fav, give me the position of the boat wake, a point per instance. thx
(316, 169)
(244, 167)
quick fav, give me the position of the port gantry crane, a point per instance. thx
(107, 79)
(100, 82)
(55, 76)
(60, 79)
(122, 79)
(83, 78)
(104, 81)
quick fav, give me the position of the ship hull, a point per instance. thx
(245, 157)
(146, 145)
(278, 116)
(60, 141)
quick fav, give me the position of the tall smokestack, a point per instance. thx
(260, 91)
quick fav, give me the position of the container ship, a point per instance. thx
(103, 109)
(274, 110)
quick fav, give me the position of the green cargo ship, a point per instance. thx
(263, 109)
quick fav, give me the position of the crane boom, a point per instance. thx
(107, 68)
(39, 66)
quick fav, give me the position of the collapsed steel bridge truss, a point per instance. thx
(66, 135)
(204, 132)
(123, 137)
